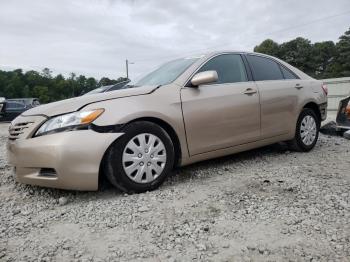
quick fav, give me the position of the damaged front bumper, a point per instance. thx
(66, 160)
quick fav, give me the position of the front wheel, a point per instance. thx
(141, 159)
(307, 130)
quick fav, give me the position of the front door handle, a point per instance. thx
(249, 91)
(298, 86)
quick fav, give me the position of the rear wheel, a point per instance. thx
(141, 159)
(307, 131)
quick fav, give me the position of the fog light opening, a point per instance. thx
(48, 172)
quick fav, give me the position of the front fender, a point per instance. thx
(163, 104)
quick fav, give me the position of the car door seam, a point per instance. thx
(183, 121)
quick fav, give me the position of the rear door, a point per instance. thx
(279, 94)
(221, 114)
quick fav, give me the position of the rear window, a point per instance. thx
(264, 68)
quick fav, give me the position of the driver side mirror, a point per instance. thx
(205, 77)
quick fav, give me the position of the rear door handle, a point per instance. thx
(249, 91)
(298, 86)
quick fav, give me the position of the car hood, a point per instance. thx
(74, 104)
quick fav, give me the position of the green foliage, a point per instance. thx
(41, 92)
(323, 55)
(320, 60)
(105, 81)
(268, 47)
(343, 56)
(298, 53)
(45, 86)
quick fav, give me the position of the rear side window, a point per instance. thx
(287, 73)
(230, 68)
(264, 68)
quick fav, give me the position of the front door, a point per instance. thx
(225, 113)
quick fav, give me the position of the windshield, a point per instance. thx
(103, 89)
(167, 73)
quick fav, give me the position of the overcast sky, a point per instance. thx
(94, 37)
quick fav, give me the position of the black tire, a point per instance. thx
(113, 166)
(297, 143)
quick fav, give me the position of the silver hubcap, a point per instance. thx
(308, 130)
(144, 158)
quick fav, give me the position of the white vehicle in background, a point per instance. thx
(2, 100)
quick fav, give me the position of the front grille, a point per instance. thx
(16, 130)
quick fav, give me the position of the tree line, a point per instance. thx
(46, 87)
(320, 60)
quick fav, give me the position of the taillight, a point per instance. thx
(325, 88)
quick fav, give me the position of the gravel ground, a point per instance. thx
(267, 204)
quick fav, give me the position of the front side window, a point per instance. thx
(264, 68)
(230, 68)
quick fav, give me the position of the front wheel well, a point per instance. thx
(167, 127)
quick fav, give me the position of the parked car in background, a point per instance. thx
(108, 88)
(343, 114)
(28, 102)
(11, 108)
(188, 110)
(2, 101)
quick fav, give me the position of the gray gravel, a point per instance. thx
(268, 204)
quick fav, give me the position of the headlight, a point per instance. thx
(69, 121)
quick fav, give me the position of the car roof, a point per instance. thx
(218, 52)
